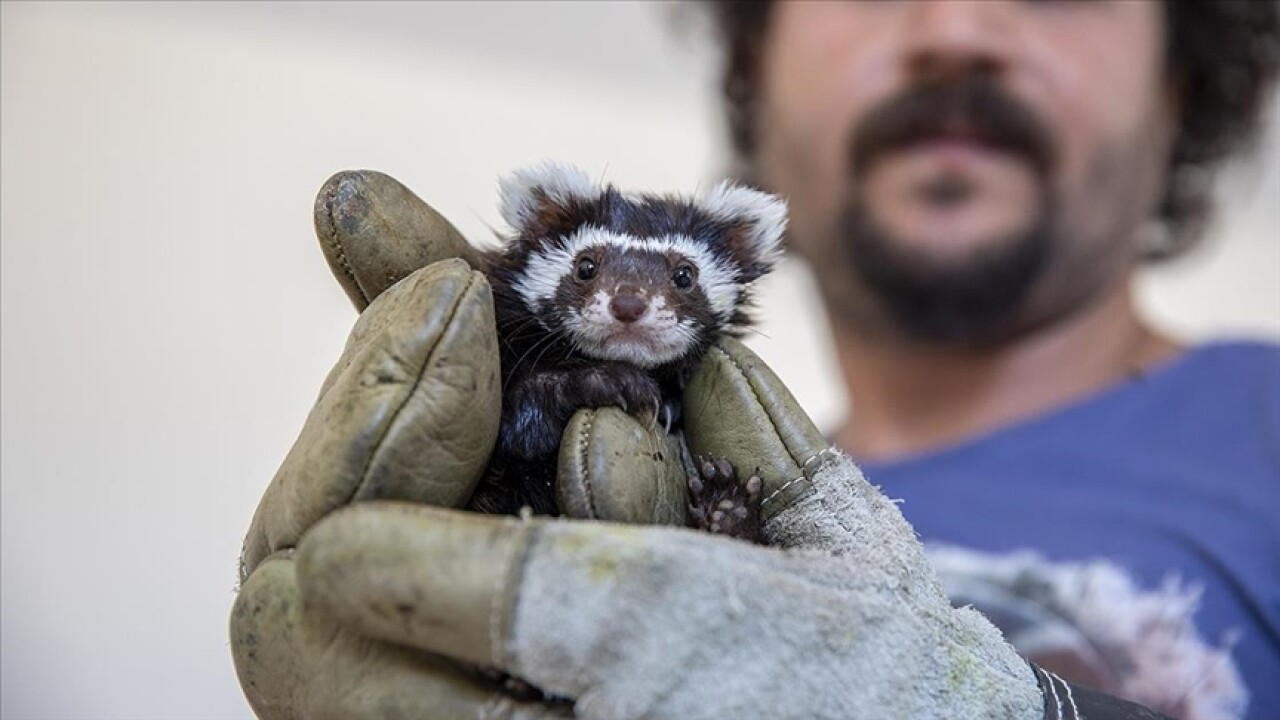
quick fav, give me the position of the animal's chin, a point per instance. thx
(639, 348)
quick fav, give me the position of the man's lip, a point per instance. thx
(958, 150)
(950, 152)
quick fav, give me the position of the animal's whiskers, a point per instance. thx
(607, 298)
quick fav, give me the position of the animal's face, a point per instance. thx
(646, 301)
(641, 279)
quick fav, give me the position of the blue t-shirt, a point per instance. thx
(1172, 473)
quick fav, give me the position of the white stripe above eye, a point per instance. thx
(717, 277)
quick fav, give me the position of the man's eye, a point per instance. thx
(683, 277)
(586, 269)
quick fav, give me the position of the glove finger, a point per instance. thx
(635, 621)
(375, 232)
(295, 662)
(736, 408)
(613, 467)
(814, 496)
(410, 411)
(591, 611)
(425, 577)
(450, 582)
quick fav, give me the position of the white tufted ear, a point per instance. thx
(762, 217)
(525, 192)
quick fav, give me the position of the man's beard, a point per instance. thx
(970, 301)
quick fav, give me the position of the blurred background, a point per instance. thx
(167, 317)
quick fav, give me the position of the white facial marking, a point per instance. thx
(542, 275)
(559, 182)
(597, 311)
(656, 337)
(717, 278)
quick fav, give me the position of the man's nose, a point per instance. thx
(958, 37)
(628, 305)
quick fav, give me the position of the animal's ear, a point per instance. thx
(756, 220)
(539, 197)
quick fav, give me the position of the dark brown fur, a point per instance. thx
(546, 379)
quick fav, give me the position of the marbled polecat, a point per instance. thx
(605, 298)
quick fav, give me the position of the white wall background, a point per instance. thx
(167, 317)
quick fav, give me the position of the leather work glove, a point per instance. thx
(365, 594)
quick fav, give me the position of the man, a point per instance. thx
(975, 185)
(968, 178)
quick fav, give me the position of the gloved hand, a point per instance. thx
(842, 619)
(409, 412)
(385, 608)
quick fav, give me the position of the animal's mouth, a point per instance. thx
(630, 333)
(637, 341)
(638, 344)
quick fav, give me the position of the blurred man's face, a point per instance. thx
(964, 171)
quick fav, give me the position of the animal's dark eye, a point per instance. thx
(586, 269)
(683, 277)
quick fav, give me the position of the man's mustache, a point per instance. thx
(974, 108)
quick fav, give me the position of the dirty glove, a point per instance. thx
(409, 412)
(843, 618)
(386, 607)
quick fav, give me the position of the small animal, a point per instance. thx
(605, 298)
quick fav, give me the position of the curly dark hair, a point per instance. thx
(1223, 54)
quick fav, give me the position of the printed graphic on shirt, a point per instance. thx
(1092, 625)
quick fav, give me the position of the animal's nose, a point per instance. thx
(627, 307)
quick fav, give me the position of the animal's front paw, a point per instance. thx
(718, 503)
(632, 390)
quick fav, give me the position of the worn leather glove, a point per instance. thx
(386, 608)
(409, 412)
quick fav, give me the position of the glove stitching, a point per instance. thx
(521, 547)
(584, 443)
(343, 263)
(831, 450)
(331, 235)
(846, 523)
(759, 402)
(804, 468)
(417, 383)
(781, 490)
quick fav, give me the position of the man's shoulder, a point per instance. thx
(1253, 350)
(1223, 395)
(1217, 402)
(1223, 366)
